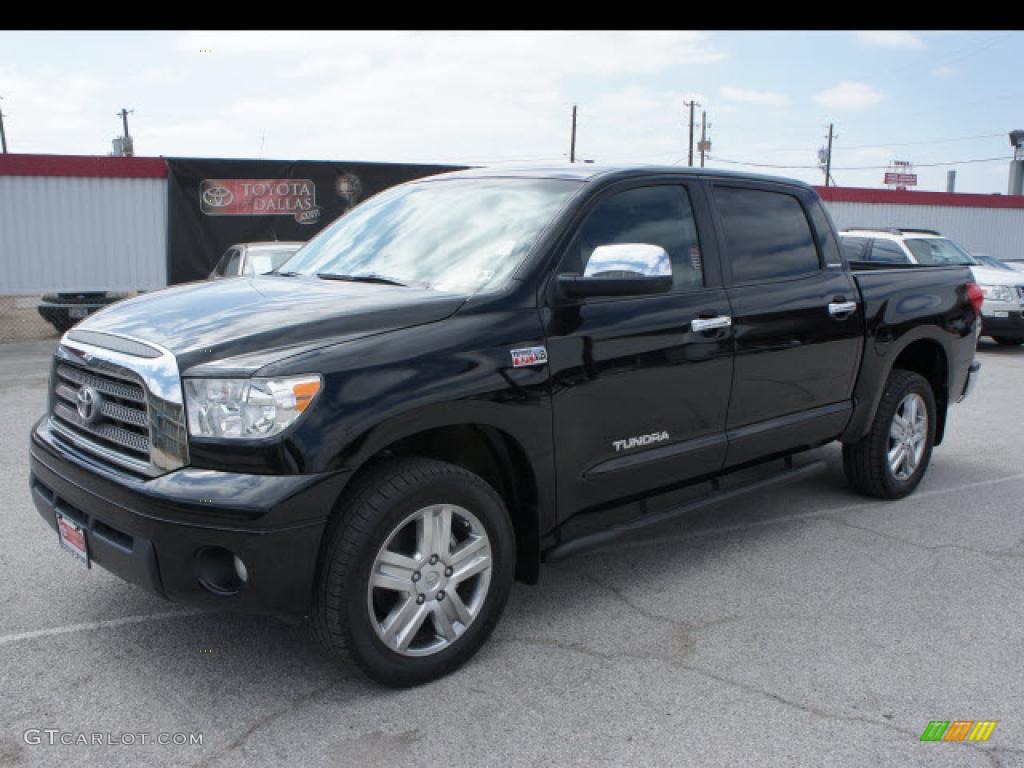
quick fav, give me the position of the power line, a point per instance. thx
(861, 167)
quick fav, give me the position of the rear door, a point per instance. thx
(797, 321)
(640, 393)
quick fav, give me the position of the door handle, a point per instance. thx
(842, 309)
(699, 324)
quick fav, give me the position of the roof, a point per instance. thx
(891, 233)
(255, 246)
(590, 172)
(89, 166)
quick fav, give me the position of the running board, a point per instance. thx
(597, 538)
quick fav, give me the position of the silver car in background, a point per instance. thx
(248, 259)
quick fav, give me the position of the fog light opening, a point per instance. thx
(220, 570)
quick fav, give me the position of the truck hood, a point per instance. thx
(241, 324)
(990, 276)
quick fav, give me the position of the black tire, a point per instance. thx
(866, 463)
(378, 501)
(1005, 341)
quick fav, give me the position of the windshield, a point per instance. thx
(268, 259)
(459, 235)
(938, 251)
(991, 261)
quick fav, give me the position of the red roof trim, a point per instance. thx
(83, 166)
(907, 197)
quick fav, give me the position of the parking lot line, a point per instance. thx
(20, 636)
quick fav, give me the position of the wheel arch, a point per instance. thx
(493, 453)
(922, 354)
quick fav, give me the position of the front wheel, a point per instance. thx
(415, 571)
(891, 459)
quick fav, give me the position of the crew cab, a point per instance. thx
(469, 375)
(1002, 313)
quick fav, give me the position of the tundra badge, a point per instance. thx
(636, 442)
(529, 356)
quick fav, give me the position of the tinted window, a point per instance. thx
(825, 228)
(854, 248)
(766, 234)
(655, 215)
(887, 251)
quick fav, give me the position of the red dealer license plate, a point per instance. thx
(72, 538)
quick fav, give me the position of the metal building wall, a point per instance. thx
(998, 232)
(73, 233)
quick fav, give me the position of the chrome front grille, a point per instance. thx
(122, 407)
(120, 421)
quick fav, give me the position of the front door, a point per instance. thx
(639, 394)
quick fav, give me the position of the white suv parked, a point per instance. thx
(1001, 314)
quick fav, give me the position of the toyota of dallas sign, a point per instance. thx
(260, 197)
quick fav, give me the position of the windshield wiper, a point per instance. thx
(372, 278)
(284, 274)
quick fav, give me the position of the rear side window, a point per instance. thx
(766, 234)
(887, 252)
(854, 248)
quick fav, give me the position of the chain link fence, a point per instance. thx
(38, 318)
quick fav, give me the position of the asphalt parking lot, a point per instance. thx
(802, 626)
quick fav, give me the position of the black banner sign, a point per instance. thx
(213, 204)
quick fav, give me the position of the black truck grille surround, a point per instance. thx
(117, 420)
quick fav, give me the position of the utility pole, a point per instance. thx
(572, 143)
(691, 104)
(703, 146)
(3, 136)
(124, 120)
(123, 146)
(828, 156)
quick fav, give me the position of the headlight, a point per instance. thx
(997, 292)
(247, 408)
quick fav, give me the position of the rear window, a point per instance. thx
(854, 247)
(887, 252)
(766, 234)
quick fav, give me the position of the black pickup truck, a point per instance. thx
(468, 375)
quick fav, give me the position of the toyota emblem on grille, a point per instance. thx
(88, 403)
(218, 197)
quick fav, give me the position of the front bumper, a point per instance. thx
(1010, 323)
(154, 532)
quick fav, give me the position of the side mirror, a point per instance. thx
(624, 269)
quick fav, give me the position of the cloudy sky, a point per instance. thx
(484, 98)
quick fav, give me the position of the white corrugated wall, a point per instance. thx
(998, 232)
(60, 233)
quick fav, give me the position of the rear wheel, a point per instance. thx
(415, 571)
(891, 459)
(1006, 341)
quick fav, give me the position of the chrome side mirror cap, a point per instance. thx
(623, 269)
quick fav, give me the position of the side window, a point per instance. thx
(855, 248)
(228, 263)
(659, 215)
(766, 234)
(888, 252)
(231, 268)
